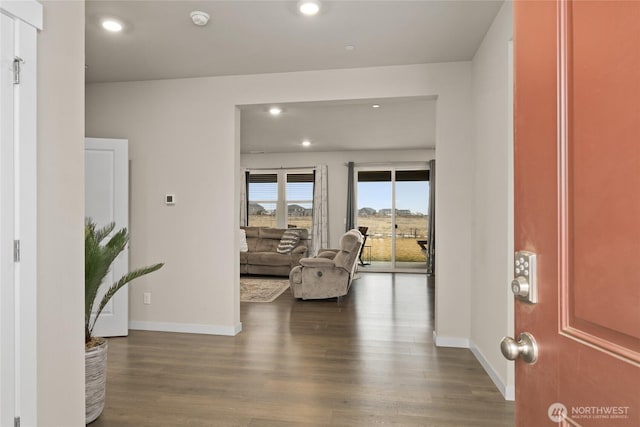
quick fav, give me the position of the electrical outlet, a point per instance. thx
(146, 298)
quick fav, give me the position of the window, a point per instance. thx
(281, 199)
(299, 195)
(263, 199)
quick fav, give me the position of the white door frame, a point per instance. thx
(18, 313)
(392, 168)
(107, 200)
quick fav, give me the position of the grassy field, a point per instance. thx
(410, 229)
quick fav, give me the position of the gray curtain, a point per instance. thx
(431, 239)
(244, 179)
(351, 202)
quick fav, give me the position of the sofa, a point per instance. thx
(330, 273)
(262, 257)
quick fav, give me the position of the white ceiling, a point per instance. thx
(400, 123)
(252, 37)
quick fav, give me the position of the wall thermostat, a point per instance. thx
(170, 199)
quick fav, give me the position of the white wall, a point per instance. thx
(492, 300)
(337, 173)
(61, 215)
(183, 139)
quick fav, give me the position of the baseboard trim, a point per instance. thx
(455, 342)
(186, 328)
(508, 392)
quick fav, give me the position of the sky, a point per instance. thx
(412, 195)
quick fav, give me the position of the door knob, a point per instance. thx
(526, 348)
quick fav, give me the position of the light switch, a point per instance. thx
(170, 199)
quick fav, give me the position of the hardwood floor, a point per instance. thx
(365, 360)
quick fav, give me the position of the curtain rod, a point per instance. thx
(280, 168)
(425, 163)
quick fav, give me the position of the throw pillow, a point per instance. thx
(243, 241)
(289, 241)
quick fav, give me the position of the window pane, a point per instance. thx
(263, 187)
(374, 212)
(299, 194)
(412, 194)
(300, 215)
(300, 191)
(263, 196)
(262, 214)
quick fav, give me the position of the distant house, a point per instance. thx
(296, 210)
(366, 212)
(399, 212)
(256, 209)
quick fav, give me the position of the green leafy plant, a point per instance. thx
(98, 257)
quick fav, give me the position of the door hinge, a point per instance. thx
(16, 251)
(16, 422)
(17, 63)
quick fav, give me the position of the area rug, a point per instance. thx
(254, 289)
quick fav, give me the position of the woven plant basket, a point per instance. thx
(95, 380)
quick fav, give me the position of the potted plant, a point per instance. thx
(100, 251)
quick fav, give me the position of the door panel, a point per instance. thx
(602, 88)
(7, 227)
(18, 165)
(577, 157)
(106, 200)
(411, 194)
(375, 195)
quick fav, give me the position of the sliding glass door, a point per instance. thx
(411, 219)
(392, 203)
(374, 194)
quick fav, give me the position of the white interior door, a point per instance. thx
(18, 192)
(7, 227)
(107, 200)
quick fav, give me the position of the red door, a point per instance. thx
(577, 197)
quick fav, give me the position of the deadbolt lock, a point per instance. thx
(525, 284)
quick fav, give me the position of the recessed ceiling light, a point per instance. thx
(349, 47)
(112, 25)
(275, 111)
(375, 106)
(306, 143)
(309, 7)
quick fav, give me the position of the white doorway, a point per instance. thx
(393, 205)
(107, 200)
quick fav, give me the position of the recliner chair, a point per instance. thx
(330, 273)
